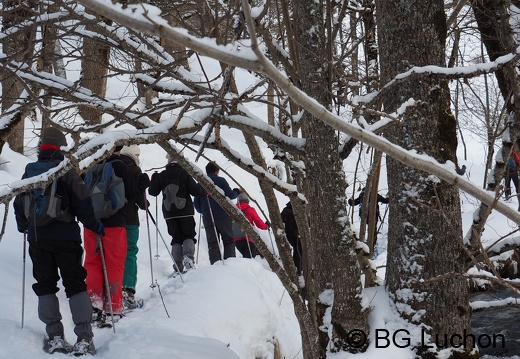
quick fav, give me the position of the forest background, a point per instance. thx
(331, 81)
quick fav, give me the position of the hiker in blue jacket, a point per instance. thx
(216, 220)
(55, 249)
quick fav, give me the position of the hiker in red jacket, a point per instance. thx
(242, 242)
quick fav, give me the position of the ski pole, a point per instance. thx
(162, 299)
(270, 238)
(23, 275)
(156, 230)
(214, 227)
(169, 252)
(198, 239)
(107, 284)
(149, 239)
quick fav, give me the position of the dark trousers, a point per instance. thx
(223, 228)
(511, 176)
(246, 248)
(295, 242)
(49, 257)
(181, 228)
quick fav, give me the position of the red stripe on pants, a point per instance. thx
(114, 249)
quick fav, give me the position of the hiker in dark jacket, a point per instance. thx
(55, 250)
(114, 248)
(216, 220)
(359, 201)
(177, 187)
(293, 236)
(130, 157)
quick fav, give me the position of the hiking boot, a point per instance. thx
(83, 347)
(56, 345)
(129, 300)
(188, 264)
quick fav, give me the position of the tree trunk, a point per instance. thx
(19, 47)
(498, 39)
(425, 247)
(94, 71)
(333, 284)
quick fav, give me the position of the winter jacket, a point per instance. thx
(130, 209)
(291, 228)
(253, 218)
(131, 191)
(187, 185)
(359, 200)
(514, 163)
(201, 203)
(74, 196)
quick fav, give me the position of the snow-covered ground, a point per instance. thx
(235, 309)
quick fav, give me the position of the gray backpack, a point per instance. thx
(107, 190)
(174, 197)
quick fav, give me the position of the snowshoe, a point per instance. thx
(130, 302)
(83, 347)
(108, 322)
(188, 264)
(56, 345)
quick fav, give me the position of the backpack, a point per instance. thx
(43, 205)
(511, 163)
(107, 190)
(237, 231)
(174, 196)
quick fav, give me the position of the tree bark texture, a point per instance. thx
(19, 47)
(336, 282)
(425, 247)
(94, 71)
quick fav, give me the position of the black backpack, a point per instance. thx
(43, 205)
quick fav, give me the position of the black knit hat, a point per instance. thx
(53, 136)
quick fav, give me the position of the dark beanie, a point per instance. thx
(53, 136)
(242, 197)
(211, 167)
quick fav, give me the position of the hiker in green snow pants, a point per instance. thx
(130, 157)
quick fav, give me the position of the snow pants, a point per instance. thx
(130, 276)
(224, 228)
(114, 249)
(49, 256)
(246, 247)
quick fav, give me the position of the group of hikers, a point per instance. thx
(100, 276)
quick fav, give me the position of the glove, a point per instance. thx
(144, 180)
(237, 190)
(208, 194)
(100, 229)
(21, 229)
(268, 224)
